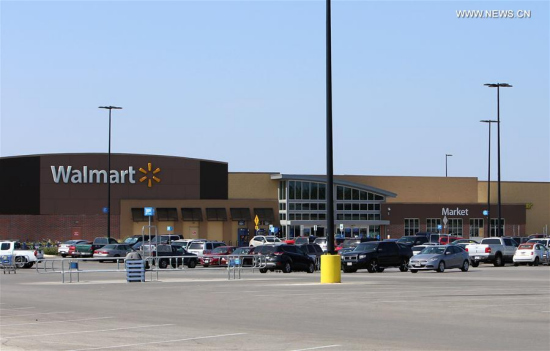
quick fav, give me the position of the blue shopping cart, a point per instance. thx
(7, 263)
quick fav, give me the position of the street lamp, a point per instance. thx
(446, 157)
(109, 171)
(489, 177)
(498, 86)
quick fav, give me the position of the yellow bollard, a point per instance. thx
(330, 269)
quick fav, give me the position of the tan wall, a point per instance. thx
(213, 230)
(422, 189)
(252, 186)
(537, 194)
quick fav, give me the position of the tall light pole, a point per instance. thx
(330, 170)
(110, 108)
(446, 157)
(498, 86)
(489, 178)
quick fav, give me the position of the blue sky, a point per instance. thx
(244, 82)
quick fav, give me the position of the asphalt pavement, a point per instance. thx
(487, 308)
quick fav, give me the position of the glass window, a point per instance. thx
(364, 195)
(455, 226)
(475, 225)
(347, 207)
(377, 207)
(314, 216)
(347, 193)
(314, 207)
(364, 207)
(355, 194)
(371, 207)
(494, 226)
(322, 191)
(291, 188)
(298, 217)
(305, 207)
(305, 217)
(412, 226)
(355, 216)
(323, 207)
(347, 216)
(291, 206)
(339, 193)
(379, 197)
(305, 191)
(314, 194)
(371, 196)
(298, 207)
(298, 190)
(363, 216)
(291, 216)
(339, 207)
(339, 216)
(355, 207)
(322, 216)
(431, 224)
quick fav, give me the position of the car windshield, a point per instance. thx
(107, 247)
(350, 243)
(131, 241)
(71, 242)
(270, 239)
(265, 250)
(434, 250)
(366, 247)
(241, 251)
(220, 249)
(525, 247)
(406, 240)
(196, 246)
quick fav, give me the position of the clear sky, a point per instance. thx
(244, 82)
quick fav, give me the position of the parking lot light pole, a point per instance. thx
(446, 157)
(489, 178)
(110, 108)
(498, 86)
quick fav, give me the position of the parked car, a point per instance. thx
(300, 240)
(201, 248)
(439, 258)
(314, 251)
(264, 240)
(464, 241)
(413, 240)
(134, 239)
(520, 239)
(168, 255)
(67, 248)
(376, 256)
(530, 253)
(23, 258)
(538, 236)
(286, 258)
(112, 250)
(543, 241)
(418, 248)
(321, 241)
(242, 254)
(87, 250)
(213, 258)
(496, 250)
(185, 242)
(446, 240)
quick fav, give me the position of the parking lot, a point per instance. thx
(488, 308)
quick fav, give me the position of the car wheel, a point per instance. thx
(475, 264)
(441, 267)
(380, 269)
(536, 261)
(192, 264)
(465, 266)
(372, 266)
(404, 265)
(498, 261)
(28, 265)
(163, 264)
(414, 270)
(311, 268)
(263, 270)
(205, 265)
(63, 255)
(287, 268)
(530, 263)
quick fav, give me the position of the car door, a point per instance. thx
(509, 248)
(384, 254)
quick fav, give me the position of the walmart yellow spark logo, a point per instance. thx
(146, 176)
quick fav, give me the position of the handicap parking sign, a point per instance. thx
(439, 227)
(148, 211)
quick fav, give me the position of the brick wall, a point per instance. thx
(56, 227)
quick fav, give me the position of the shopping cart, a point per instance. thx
(7, 263)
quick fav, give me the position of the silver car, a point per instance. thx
(439, 258)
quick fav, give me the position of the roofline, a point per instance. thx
(105, 154)
(322, 179)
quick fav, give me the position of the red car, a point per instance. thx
(213, 258)
(446, 240)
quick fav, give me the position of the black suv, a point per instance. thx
(286, 258)
(376, 256)
(413, 240)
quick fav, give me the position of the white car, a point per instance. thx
(260, 240)
(321, 242)
(530, 253)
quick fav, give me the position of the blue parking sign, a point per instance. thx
(439, 226)
(148, 211)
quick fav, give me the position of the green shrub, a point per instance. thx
(50, 250)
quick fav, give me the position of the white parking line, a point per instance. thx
(49, 322)
(88, 331)
(160, 342)
(17, 308)
(34, 314)
(317, 348)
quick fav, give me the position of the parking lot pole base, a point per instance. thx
(330, 269)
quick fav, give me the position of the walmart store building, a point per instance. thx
(64, 196)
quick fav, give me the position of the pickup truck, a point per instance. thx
(23, 258)
(495, 250)
(170, 253)
(87, 250)
(375, 256)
